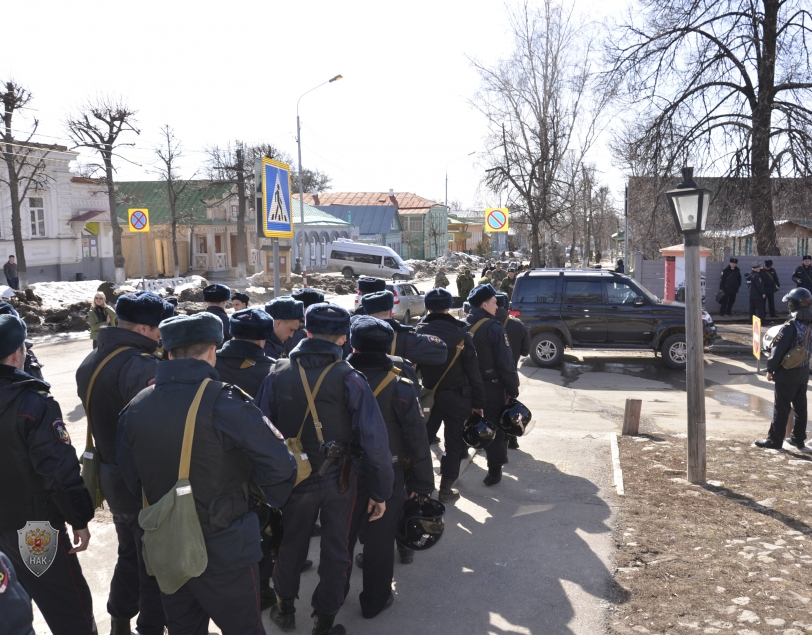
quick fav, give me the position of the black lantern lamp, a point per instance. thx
(689, 204)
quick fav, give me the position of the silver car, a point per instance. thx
(408, 301)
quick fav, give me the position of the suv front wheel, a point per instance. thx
(546, 350)
(675, 352)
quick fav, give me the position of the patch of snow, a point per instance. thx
(56, 295)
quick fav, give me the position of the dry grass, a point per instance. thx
(734, 556)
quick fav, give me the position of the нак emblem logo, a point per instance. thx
(38, 542)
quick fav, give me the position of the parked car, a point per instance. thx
(599, 310)
(362, 259)
(408, 301)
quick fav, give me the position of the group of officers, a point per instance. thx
(341, 391)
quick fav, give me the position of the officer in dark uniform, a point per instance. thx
(803, 274)
(241, 360)
(348, 412)
(771, 286)
(234, 446)
(755, 286)
(33, 366)
(123, 376)
(460, 392)
(729, 284)
(15, 603)
(519, 340)
(286, 313)
(371, 340)
(307, 297)
(40, 482)
(790, 383)
(239, 301)
(496, 367)
(418, 349)
(368, 284)
(216, 296)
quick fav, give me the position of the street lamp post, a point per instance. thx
(689, 205)
(301, 185)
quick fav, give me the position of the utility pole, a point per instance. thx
(626, 264)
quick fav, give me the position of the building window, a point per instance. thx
(416, 223)
(323, 252)
(394, 225)
(37, 211)
(235, 210)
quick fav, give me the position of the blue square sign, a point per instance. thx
(277, 218)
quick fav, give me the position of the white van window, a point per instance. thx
(370, 259)
(388, 261)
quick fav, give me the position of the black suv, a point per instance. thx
(598, 310)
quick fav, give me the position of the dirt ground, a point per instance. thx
(734, 556)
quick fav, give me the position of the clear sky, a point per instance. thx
(218, 71)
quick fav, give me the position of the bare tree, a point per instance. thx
(228, 165)
(723, 85)
(98, 125)
(168, 154)
(541, 104)
(25, 164)
(437, 233)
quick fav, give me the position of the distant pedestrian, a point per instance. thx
(755, 284)
(239, 301)
(771, 286)
(620, 268)
(216, 295)
(100, 316)
(730, 284)
(440, 280)
(803, 274)
(10, 269)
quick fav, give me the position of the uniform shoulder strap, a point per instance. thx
(460, 346)
(505, 323)
(390, 376)
(189, 431)
(311, 400)
(247, 363)
(394, 343)
(476, 326)
(95, 374)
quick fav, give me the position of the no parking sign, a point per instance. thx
(496, 219)
(138, 219)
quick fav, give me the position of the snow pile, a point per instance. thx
(6, 292)
(257, 279)
(56, 295)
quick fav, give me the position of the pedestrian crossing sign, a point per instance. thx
(277, 214)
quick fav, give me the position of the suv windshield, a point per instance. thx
(653, 298)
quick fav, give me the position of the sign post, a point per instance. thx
(756, 350)
(138, 222)
(277, 216)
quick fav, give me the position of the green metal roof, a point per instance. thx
(315, 216)
(153, 196)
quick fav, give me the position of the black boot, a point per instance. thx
(283, 614)
(494, 475)
(267, 597)
(447, 492)
(119, 626)
(323, 625)
(406, 555)
(513, 443)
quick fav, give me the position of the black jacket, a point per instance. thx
(770, 278)
(232, 446)
(298, 335)
(39, 470)
(493, 352)
(731, 280)
(243, 364)
(15, 603)
(415, 347)
(275, 348)
(755, 283)
(517, 334)
(803, 277)
(220, 312)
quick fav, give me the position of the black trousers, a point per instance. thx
(769, 300)
(789, 396)
(379, 540)
(452, 409)
(495, 399)
(757, 307)
(726, 308)
(299, 514)
(230, 599)
(61, 593)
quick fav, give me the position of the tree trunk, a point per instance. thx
(175, 243)
(118, 255)
(17, 233)
(241, 207)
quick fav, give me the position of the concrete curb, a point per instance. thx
(616, 464)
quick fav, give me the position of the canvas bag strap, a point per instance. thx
(189, 432)
(504, 324)
(460, 346)
(311, 400)
(89, 442)
(476, 326)
(390, 377)
(394, 343)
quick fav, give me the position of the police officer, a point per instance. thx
(368, 284)
(15, 603)
(790, 383)
(241, 360)
(755, 285)
(496, 367)
(239, 301)
(459, 392)
(216, 296)
(465, 282)
(233, 446)
(803, 274)
(771, 285)
(729, 284)
(286, 313)
(519, 340)
(371, 340)
(347, 412)
(440, 280)
(129, 366)
(40, 483)
(33, 366)
(307, 297)
(418, 349)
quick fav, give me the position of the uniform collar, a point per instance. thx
(243, 349)
(184, 371)
(316, 347)
(370, 361)
(477, 313)
(216, 309)
(442, 317)
(397, 326)
(113, 337)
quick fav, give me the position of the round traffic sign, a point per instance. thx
(497, 219)
(138, 220)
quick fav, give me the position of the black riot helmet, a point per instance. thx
(477, 432)
(516, 419)
(421, 525)
(798, 298)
